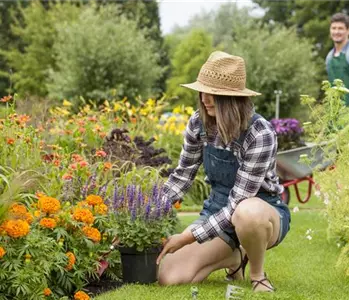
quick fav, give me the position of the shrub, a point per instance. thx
(330, 129)
(100, 52)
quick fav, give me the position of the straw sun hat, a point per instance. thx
(222, 74)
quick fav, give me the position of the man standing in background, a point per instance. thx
(337, 60)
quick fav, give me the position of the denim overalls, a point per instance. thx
(221, 167)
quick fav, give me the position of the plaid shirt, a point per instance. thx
(257, 169)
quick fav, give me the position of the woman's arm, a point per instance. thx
(190, 160)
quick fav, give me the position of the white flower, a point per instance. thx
(326, 198)
(295, 209)
(338, 245)
(309, 237)
(317, 193)
(309, 231)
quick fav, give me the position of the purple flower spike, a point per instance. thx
(115, 198)
(147, 211)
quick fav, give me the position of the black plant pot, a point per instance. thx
(139, 267)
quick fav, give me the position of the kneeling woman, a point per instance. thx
(244, 215)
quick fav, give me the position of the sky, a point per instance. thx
(178, 12)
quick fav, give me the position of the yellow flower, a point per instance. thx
(94, 200)
(177, 110)
(80, 295)
(67, 103)
(17, 228)
(92, 233)
(2, 252)
(48, 223)
(150, 102)
(189, 110)
(49, 205)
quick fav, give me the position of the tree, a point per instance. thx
(188, 57)
(102, 51)
(311, 18)
(276, 58)
(32, 56)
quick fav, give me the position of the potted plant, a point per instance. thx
(142, 221)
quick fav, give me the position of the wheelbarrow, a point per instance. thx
(291, 171)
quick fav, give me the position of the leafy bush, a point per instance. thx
(330, 129)
(100, 52)
(36, 30)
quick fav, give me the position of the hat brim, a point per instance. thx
(198, 86)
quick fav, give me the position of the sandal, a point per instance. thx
(270, 287)
(244, 261)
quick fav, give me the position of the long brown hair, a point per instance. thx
(232, 116)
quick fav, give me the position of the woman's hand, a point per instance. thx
(176, 242)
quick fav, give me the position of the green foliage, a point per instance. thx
(271, 63)
(142, 220)
(36, 29)
(330, 130)
(312, 18)
(90, 64)
(188, 58)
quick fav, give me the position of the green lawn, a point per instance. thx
(299, 268)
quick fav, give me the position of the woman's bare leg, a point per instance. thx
(194, 262)
(257, 225)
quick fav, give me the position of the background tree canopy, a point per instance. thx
(276, 58)
(311, 18)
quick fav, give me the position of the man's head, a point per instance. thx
(339, 29)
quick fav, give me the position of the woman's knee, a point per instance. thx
(173, 274)
(249, 215)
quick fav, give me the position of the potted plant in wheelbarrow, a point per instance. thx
(141, 223)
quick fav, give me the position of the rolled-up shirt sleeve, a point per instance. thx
(258, 153)
(190, 160)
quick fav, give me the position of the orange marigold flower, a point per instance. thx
(28, 217)
(80, 295)
(18, 210)
(73, 166)
(83, 215)
(101, 153)
(17, 228)
(94, 200)
(37, 213)
(101, 209)
(133, 120)
(49, 205)
(2, 252)
(48, 223)
(47, 292)
(10, 141)
(177, 205)
(71, 260)
(107, 166)
(102, 135)
(82, 204)
(92, 233)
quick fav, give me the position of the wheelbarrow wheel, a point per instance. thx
(286, 196)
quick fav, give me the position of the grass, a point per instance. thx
(299, 268)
